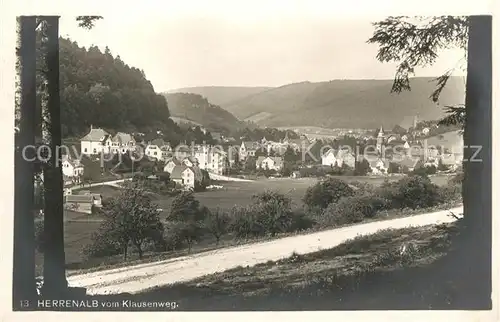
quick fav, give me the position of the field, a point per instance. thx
(79, 227)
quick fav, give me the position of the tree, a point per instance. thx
(326, 192)
(362, 168)
(187, 216)
(217, 223)
(417, 41)
(403, 42)
(274, 212)
(131, 218)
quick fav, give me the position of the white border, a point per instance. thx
(345, 9)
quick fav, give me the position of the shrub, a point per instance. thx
(217, 223)
(342, 213)
(101, 246)
(245, 223)
(413, 191)
(326, 192)
(300, 222)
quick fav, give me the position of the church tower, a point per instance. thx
(380, 139)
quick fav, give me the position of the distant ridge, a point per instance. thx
(364, 103)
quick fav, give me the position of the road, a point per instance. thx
(141, 277)
(113, 183)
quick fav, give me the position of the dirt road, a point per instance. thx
(138, 278)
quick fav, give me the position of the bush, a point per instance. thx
(342, 213)
(245, 223)
(413, 192)
(326, 192)
(300, 221)
(101, 246)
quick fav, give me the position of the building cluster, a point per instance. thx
(406, 151)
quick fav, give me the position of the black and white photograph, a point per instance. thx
(255, 159)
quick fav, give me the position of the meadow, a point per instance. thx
(80, 227)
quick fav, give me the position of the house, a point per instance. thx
(190, 161)
(170, 164)
(93, 142)
(248, 149)
(269, 163)
(212, 159)
(157, 149)
(120, 143)
(82, 203)
(186, 176)
(329, 158)
(72, 169)
(347, 158)
(379, 166)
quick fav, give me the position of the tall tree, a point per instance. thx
(413, 45)
(24, 230)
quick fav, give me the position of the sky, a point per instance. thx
(266, 48)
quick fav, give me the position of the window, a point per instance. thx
(95, 151)
(85, 149)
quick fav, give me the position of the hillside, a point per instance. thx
(344, 103)
(101, 90)
(197, 109)
(220, 95)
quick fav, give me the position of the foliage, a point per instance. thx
(198, 109)
(187, 216)
(274, 212)
(416, 42)
(217, 223)
(245, 223)
(413, 192)
(326, 192)
(394, 168)
(362, 168)
(425, 171)
(131, 218)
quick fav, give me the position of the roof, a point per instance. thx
(158, 142)
(328, 152)
(122, 138)
(95, 135)
(174, 160)
(191, 159)
(252, 145)
(80, 198)
(178, 170)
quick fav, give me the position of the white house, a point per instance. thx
(248, 149)
(186, 176)
(269, 163)
(347, 158)
(93, 142)
(211, 159)
(190, 161)
(71, 168)
(120, 143)
(329, 158)
(379, 166)
(158, 149)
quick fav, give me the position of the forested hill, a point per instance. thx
(99, 89)
(196, 108)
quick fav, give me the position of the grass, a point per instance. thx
(79, 227)
(366, 273)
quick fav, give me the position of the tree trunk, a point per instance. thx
(476, 238)
(125, 251)
(139, 250)
(23, 278)
(55, 282)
